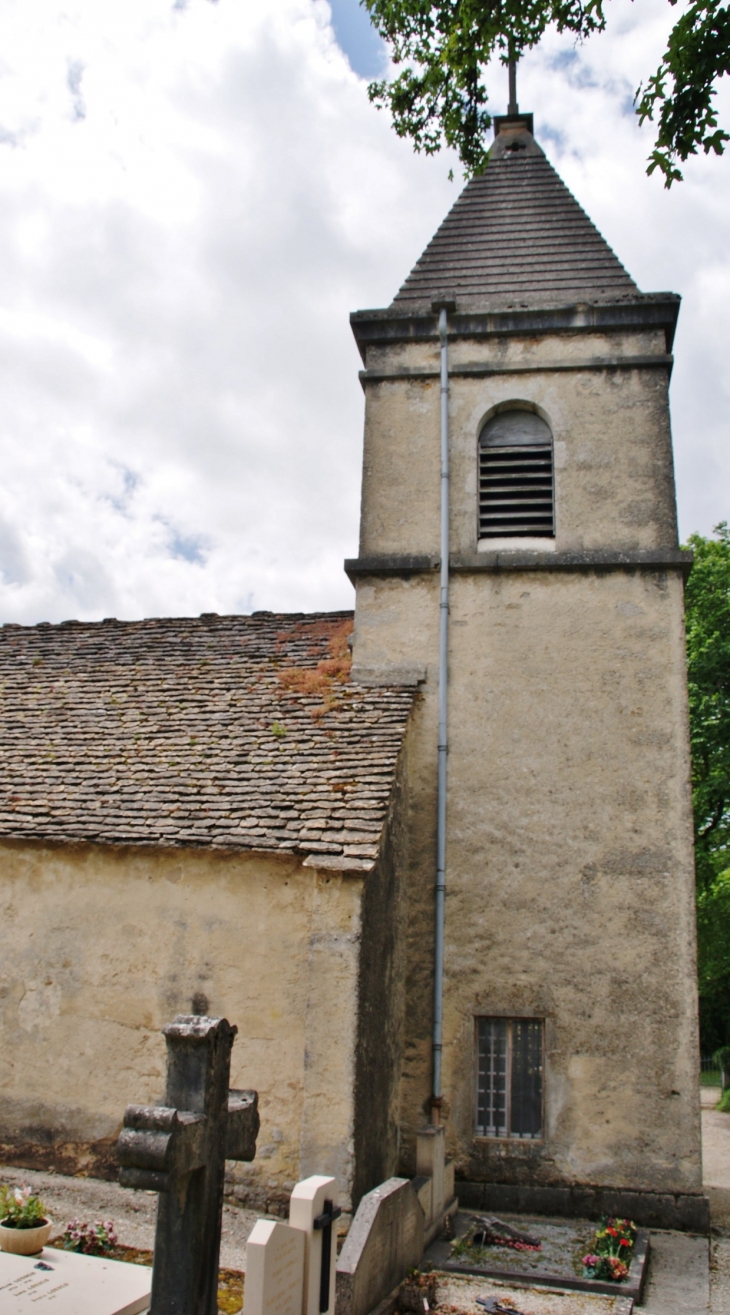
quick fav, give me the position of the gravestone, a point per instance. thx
(179, 1149)
(294, 1263)
(274, 1269)
(384, 1242)
(313, 1208)
(64, 1283)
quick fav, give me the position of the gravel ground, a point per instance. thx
(133, 1212)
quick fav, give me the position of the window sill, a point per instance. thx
(516, 543)
(507, 1141)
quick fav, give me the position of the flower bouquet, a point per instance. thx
(611, 1252)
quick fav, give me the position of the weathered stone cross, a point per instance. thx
(179, 1149)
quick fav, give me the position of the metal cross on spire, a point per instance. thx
(513, 108)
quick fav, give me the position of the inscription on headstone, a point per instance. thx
(64, 1283)
(274, 1269)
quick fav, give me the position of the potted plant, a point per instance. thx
(24, 1227)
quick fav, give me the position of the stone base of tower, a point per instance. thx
(688, 1211)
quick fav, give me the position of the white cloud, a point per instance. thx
(192, 199)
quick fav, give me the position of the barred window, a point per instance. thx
(516, 476)
(509, 1081)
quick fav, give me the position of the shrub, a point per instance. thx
(722, 1059)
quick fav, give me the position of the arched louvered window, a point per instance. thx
(516, 476)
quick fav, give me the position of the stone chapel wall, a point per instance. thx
(99, 947)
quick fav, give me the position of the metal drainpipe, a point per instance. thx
(438, 967)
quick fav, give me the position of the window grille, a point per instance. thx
(516, 495)
(509, 1077)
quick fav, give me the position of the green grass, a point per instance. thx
(710, 1077)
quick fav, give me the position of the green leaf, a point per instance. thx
(439, 97)
(708, 669)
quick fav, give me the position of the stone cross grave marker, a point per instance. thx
(179, 1149)
(290, 1268)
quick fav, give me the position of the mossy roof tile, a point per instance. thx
(233, 732)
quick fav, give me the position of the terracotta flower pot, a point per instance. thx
(25, 1241)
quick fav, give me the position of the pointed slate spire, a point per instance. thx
(515, 238)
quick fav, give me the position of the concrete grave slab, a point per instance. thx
(679, 1275)
(554, 1265)
(385, 1241)
(64, 1283)
(274, 1269)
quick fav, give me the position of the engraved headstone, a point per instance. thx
(64, 1283)
(384, 1242)
(274, 1269)
(179, 1149)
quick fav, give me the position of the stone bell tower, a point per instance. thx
(570, 1048)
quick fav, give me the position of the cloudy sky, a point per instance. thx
(193, 197)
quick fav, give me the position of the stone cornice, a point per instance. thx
(380, 328)
(601, 559)
(481, 368)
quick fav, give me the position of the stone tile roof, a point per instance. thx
(516, 237)
(240, 732)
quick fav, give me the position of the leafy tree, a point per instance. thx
(708, 659)
(713, 946)
(440, 98)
